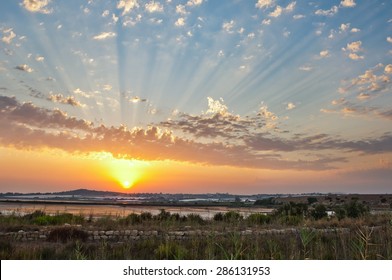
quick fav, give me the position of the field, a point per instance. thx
(310, 228)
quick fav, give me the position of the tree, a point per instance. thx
(312, 200)
(319, 212)
(355, 209)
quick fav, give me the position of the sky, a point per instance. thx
(196, 96)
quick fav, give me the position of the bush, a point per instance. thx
(146, 216)
(258, 219)
(162, 216)
(195, 218)
(232, 216)
(65, 234)
(312, 200)
(131, 219)
(265, 202)
(218, 217)
(293, 209)
(319, 212)
(355, 209)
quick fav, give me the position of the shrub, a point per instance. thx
(232, 216)
(265, 201)
(355, 209)
(218, 217)
(312, 200)
(131, 219)
(293, 209)
(65, 234)
(146, 216)
(162, 216)
(258, 219)
(319, 212)
(195, 218)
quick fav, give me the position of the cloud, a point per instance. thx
(348, 3)
(277, 12)
(262, 4)
(290, 106)
(216, 107)
(180, 22)
(363, 96)
(329, 13)
(266, 21)
(137, 99)
(104, 35)
(194, 2)
(27, 114)
(389, 40)
(132, 21)
(324, 54)
(180, 9)
(127, 5)
(8, 36)
(290, 7)
(305, 68)
(154, 7)
(37, 6)
(39, 58)
(228, 26)
(355, 56)
(24, 67)
(299, 16)
(344, 27)
(107, 87)
(267, 115)
(280, 10)
(355, 30)
(388, 69)
(68, 100)
(354, 46)
(246, 140)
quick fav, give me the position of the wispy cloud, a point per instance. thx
(104, 35)
(228, 26)
(68, 100)
(280, 10)
(8, 36)
(329, 13)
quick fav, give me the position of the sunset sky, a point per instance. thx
(196, 96)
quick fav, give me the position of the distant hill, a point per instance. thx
(86, 192)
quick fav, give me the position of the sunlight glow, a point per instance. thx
(126, 173)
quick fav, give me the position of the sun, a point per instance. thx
(125, 173)
(126, 184)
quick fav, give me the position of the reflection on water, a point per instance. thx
(119, 211)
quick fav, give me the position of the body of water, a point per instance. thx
(120, 210)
